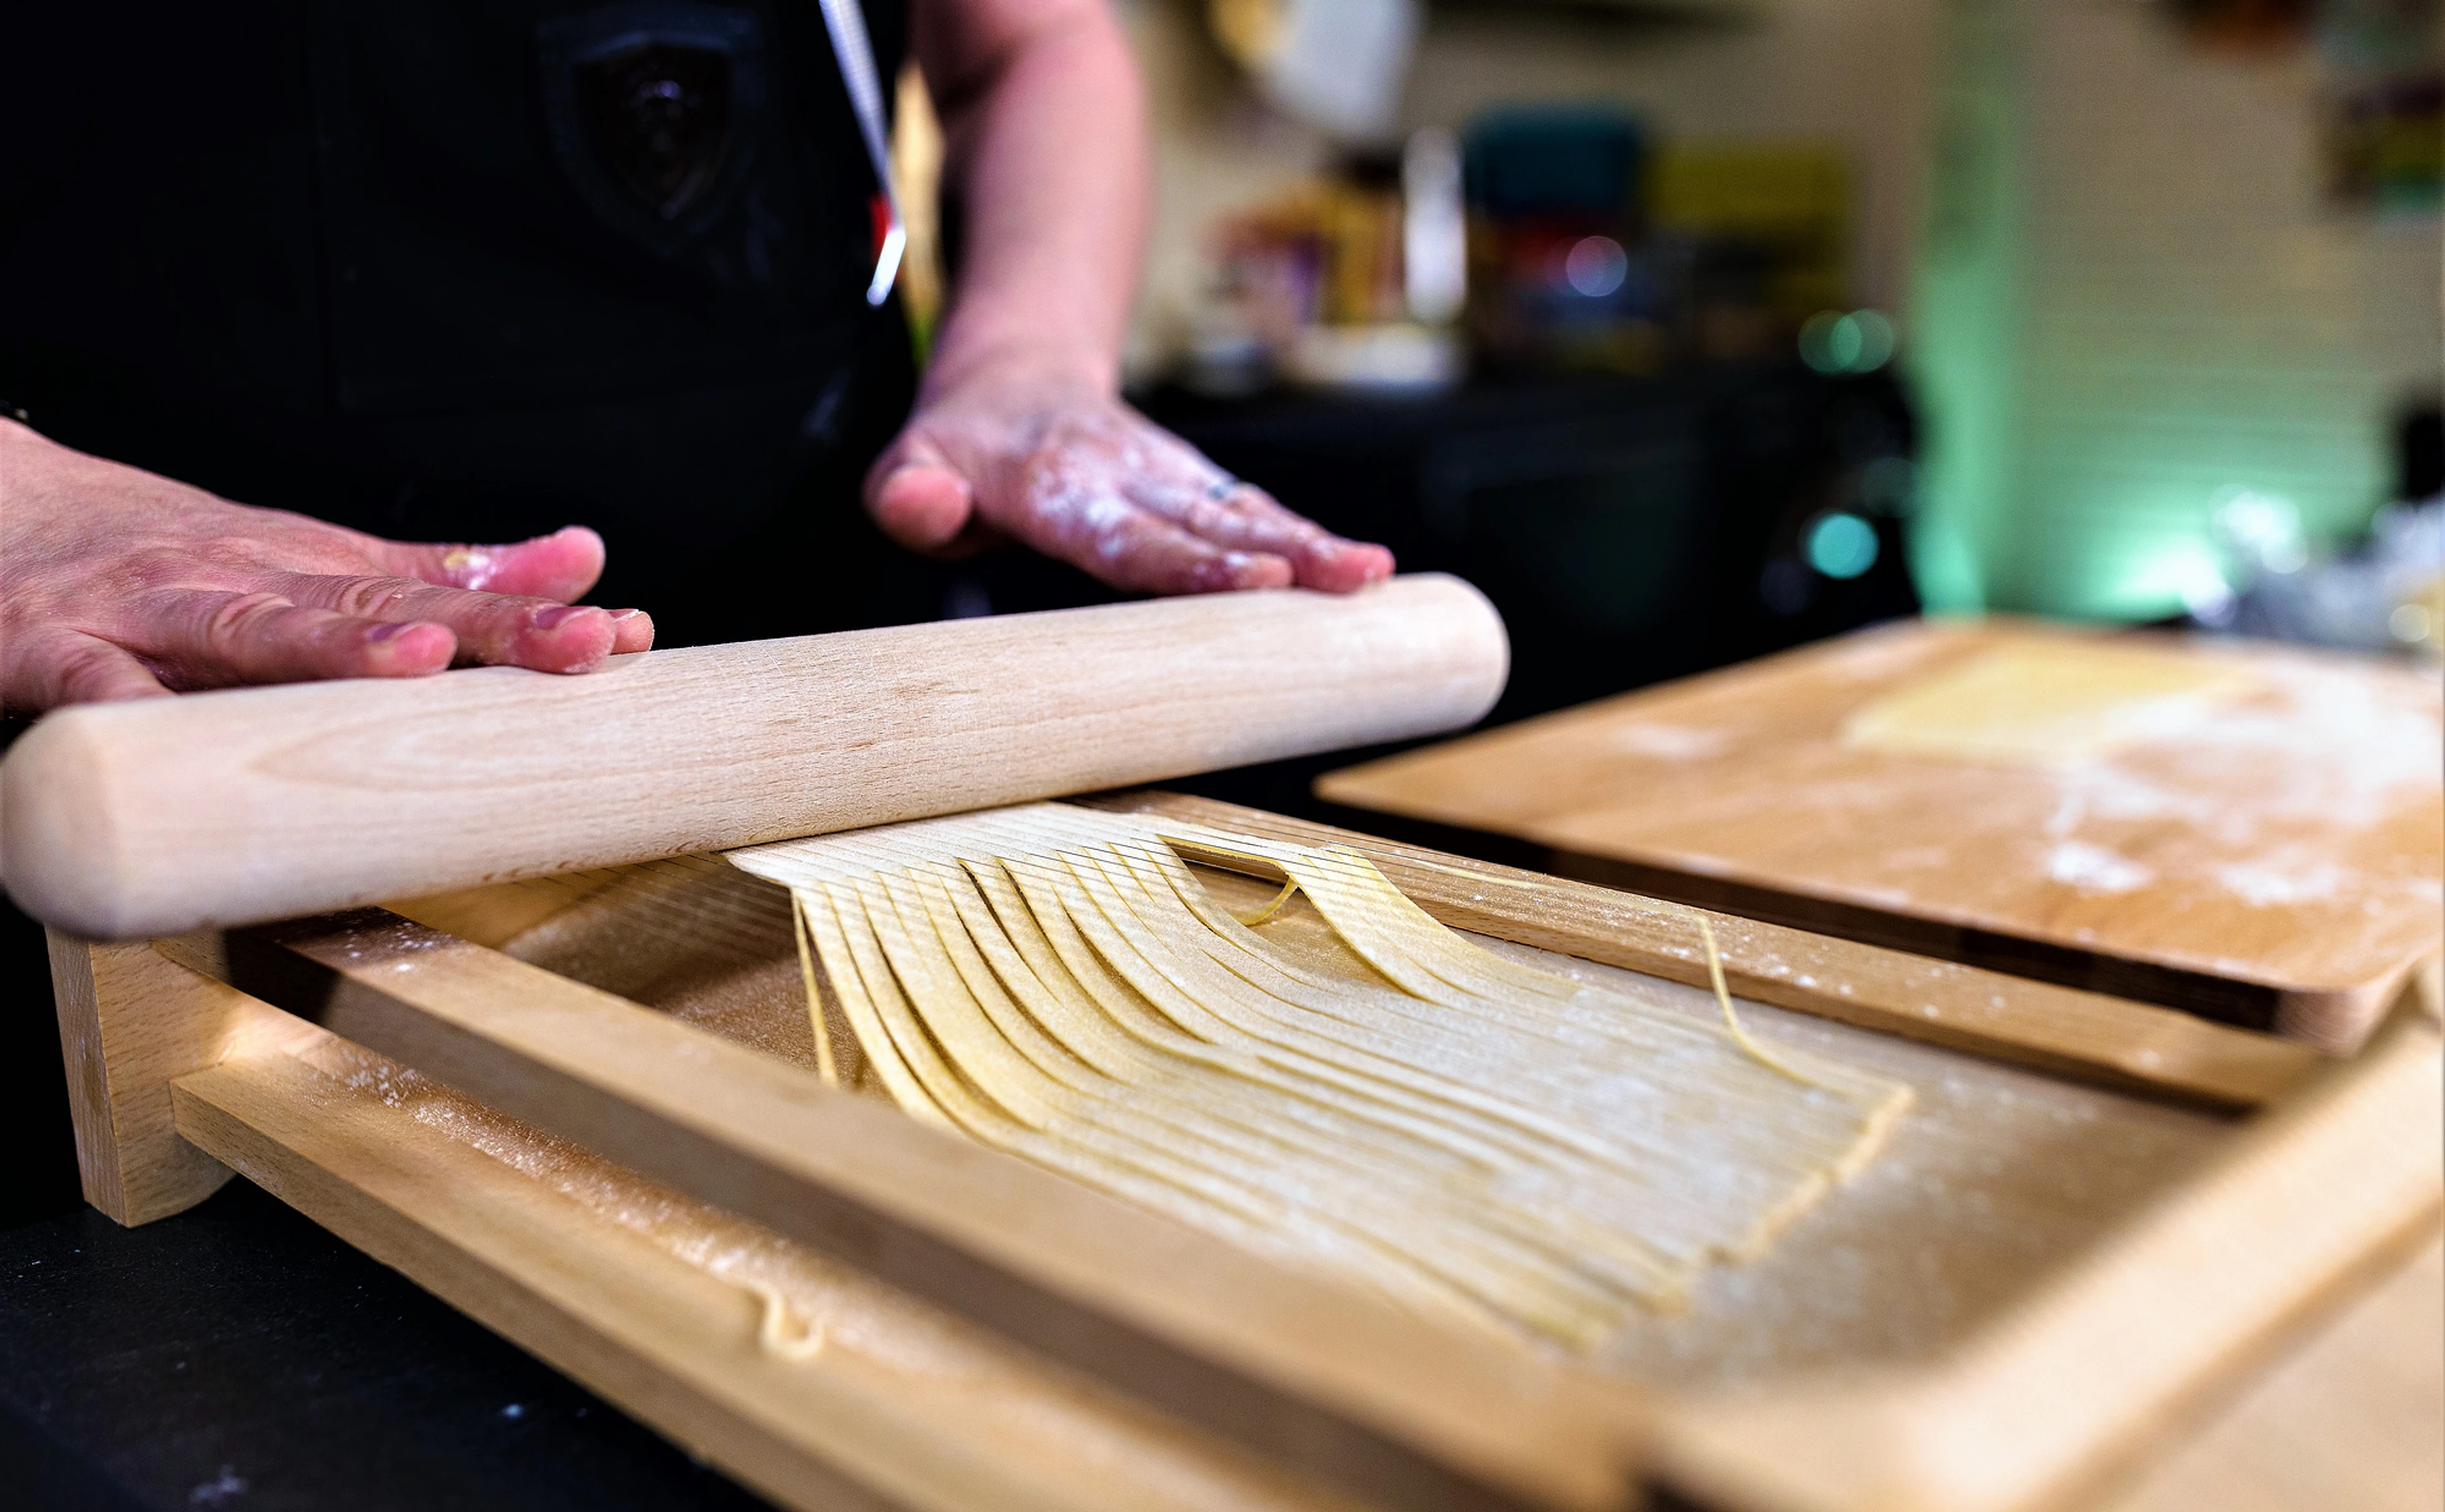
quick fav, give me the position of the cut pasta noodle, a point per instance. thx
(1465, 1134)
(1731, 1020)
(782, 1334)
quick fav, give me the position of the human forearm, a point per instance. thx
(1020, 430)
(1044, 120)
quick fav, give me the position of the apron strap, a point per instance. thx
(846, 22)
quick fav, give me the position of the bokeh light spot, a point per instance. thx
(1876, 340)
(1817, 342)
(1842, 545)
(1860, 342)
(1596, 265)
(2260, 531)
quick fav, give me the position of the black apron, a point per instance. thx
(472, 270)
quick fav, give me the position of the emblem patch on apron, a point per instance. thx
(655, 111)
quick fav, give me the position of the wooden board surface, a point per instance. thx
(1997, 1179)
(2085, 1375)
(1303, 1366)
(2007, 1194)
(2278, 860)
(641, 1293)
(1993, 1259)
(2353, 1418)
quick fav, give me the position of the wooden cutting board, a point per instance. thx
(2270, 852)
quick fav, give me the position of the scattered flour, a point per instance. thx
(1669, 742)
(2264, 887)
(2093, 869)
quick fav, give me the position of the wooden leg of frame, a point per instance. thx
(130, 1020)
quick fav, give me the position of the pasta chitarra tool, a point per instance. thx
(592, 1111)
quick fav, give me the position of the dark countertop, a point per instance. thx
(238, 1356)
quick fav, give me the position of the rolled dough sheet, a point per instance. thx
(1462, 1132)
(2046, 703)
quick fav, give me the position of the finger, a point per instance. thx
(207, 638)
(1345, 567)
(1241, 517)
(1339, 566)
(1133, 549)
(918, 498)
(67, 667)
(632, 630)
(491, 628)
(560, 567)
(922, 508)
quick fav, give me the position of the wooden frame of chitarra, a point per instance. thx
(193, 1057)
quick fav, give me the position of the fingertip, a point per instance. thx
(1345, 567)
(565, 638)
(924, 507)
(562, 565)
(575, 545)
(632, 630)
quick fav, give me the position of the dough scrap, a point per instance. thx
(2044, 702)
(1467, 1135)
(783, 1332)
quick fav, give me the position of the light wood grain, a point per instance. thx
(501, 911)
(154, 817)
(130, 1021)
(2155, 1311)
(2056, 1028)
(2093, 1370)
(1329, 1380)
(2354, 1419)
(2279, 863)
(1995, 1178)
(675, 1345)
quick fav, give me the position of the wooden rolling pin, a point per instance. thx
(133, 820)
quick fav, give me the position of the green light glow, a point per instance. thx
(2139, 369)
(1966, 301)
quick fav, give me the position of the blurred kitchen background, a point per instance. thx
(1692, 331)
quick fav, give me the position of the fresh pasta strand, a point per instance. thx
(1731, 1020)
(1273, 907)
(1462, 1131)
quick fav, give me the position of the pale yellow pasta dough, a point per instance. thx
(2044, 702)
(783, 1334)
(1462, 1132)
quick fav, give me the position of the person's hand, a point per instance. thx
(1073, 472)
(118, 584)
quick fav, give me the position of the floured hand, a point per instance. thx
(1077, 474)
(118, 584)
